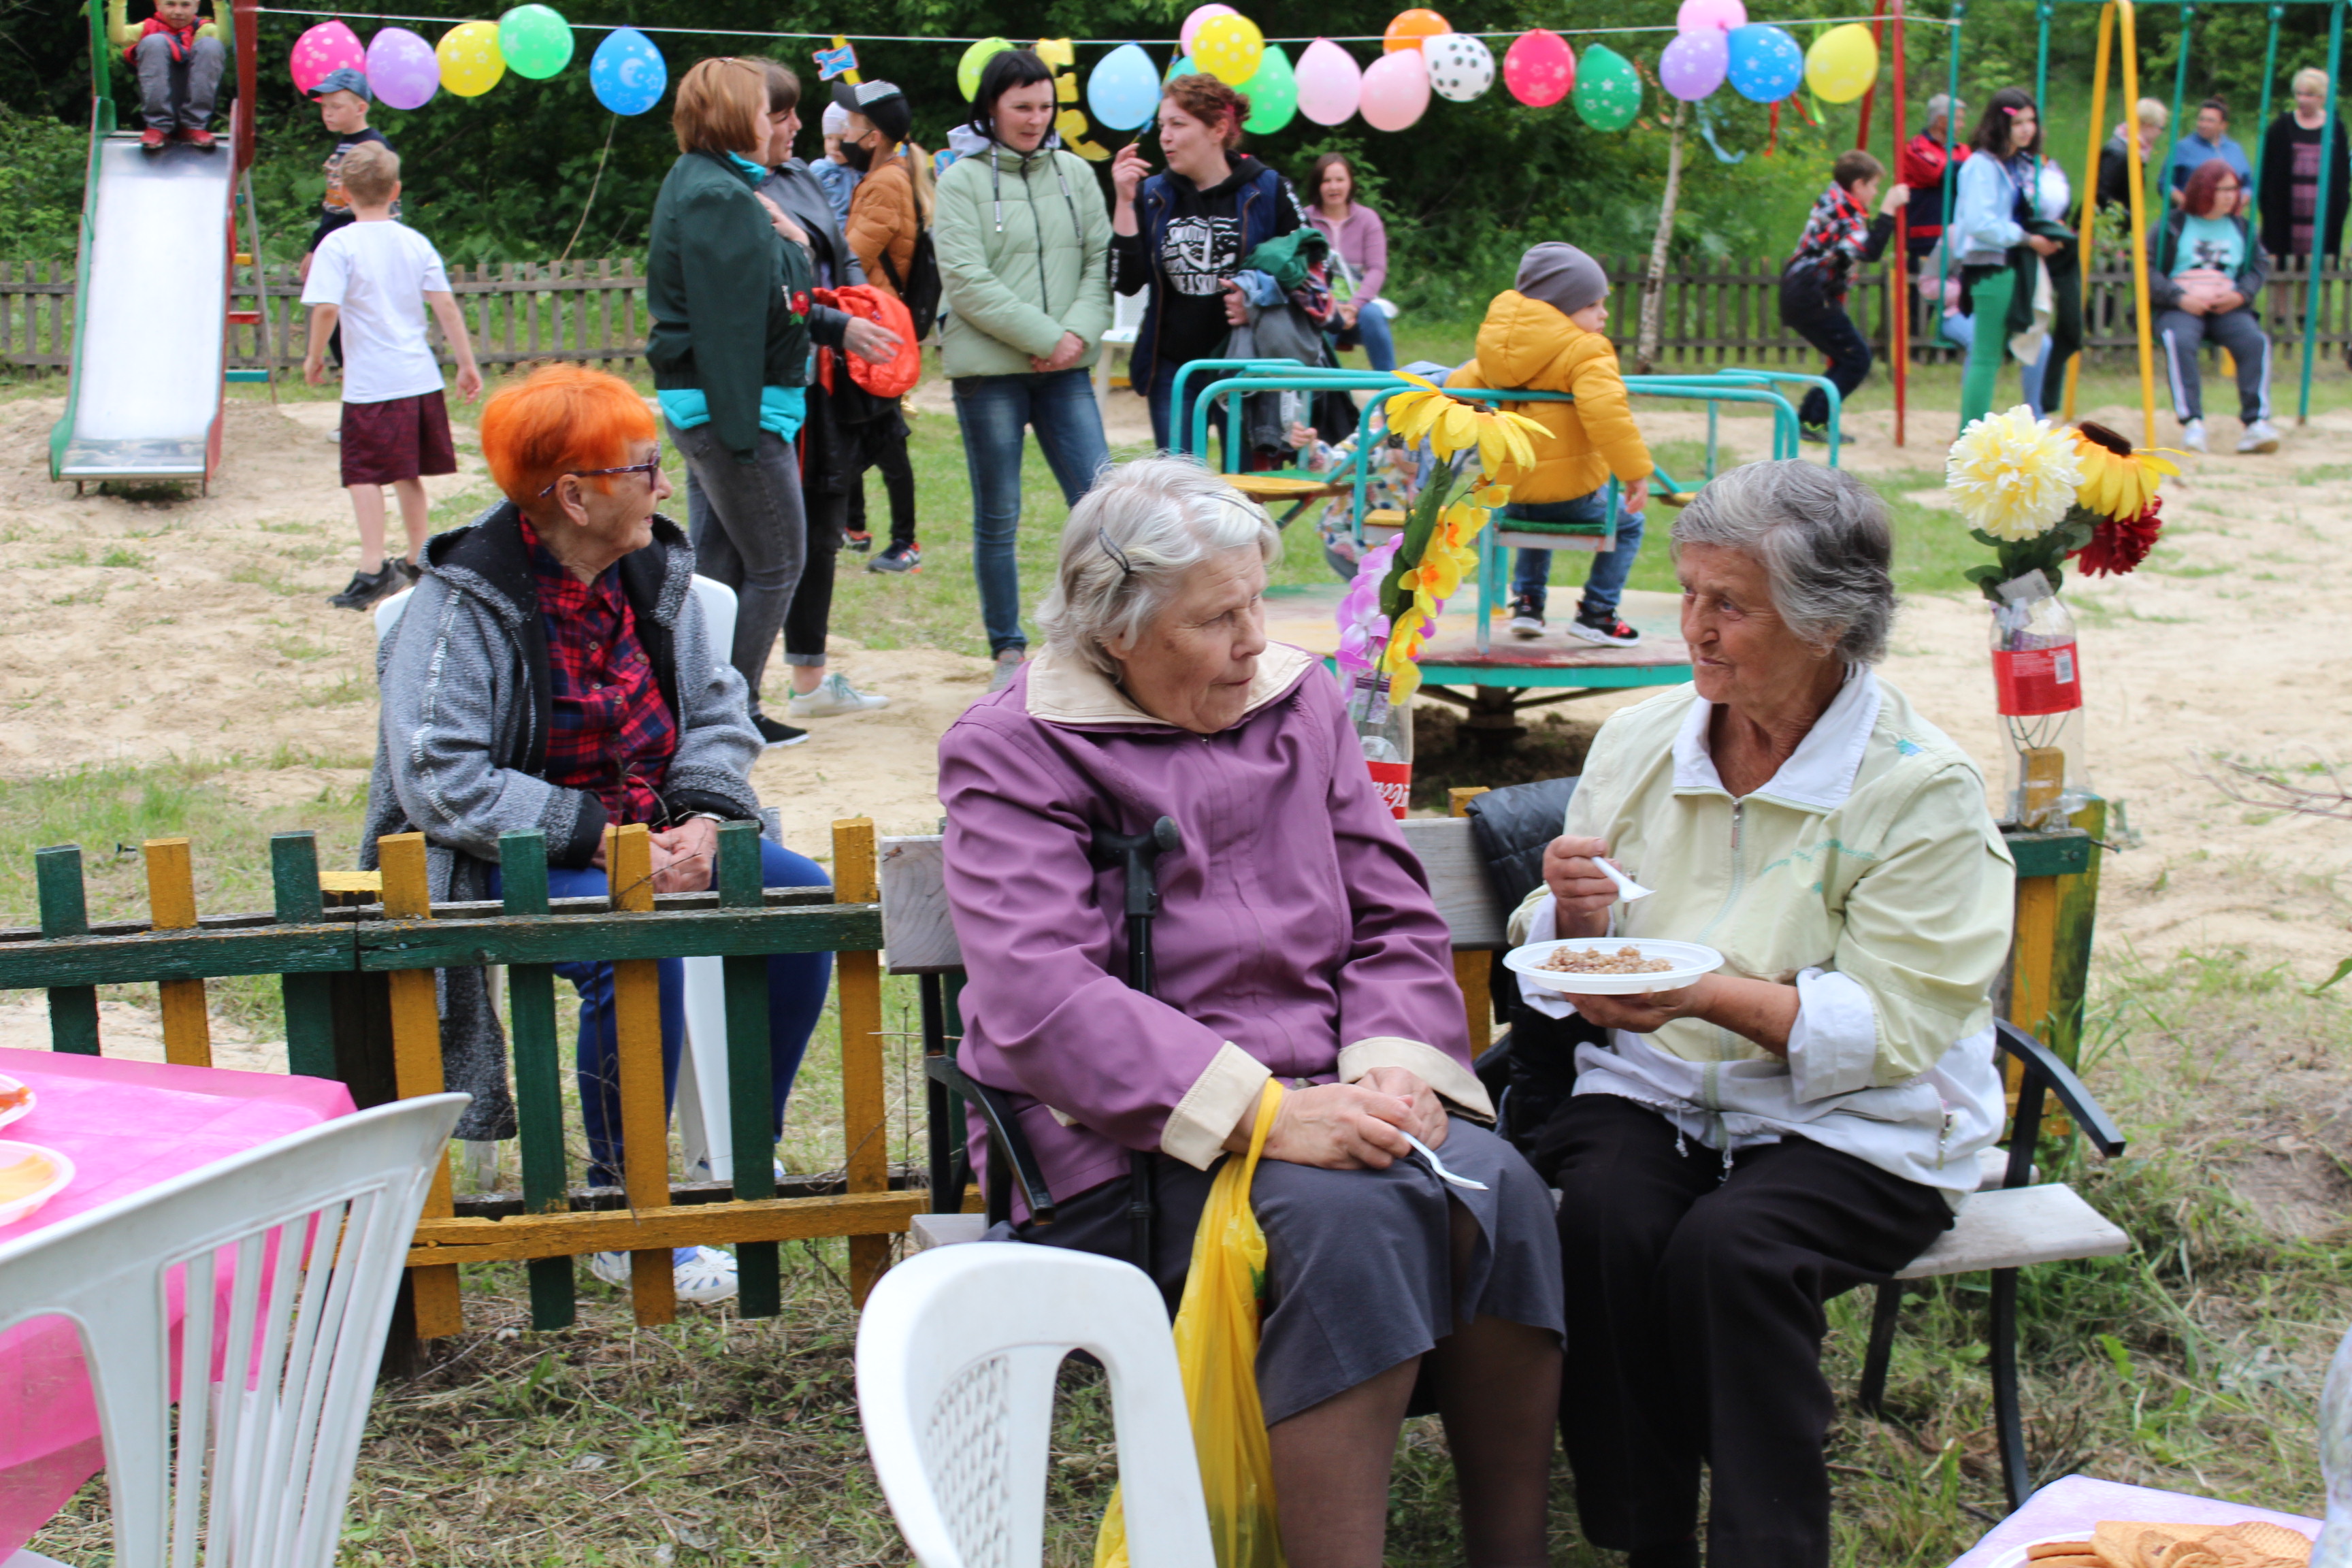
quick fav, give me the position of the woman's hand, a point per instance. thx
(1644, 1013)
(684, 856)
(2227, 299)
(1236, 304)
(2042, 247)
(1338, 1126)
(1429, 1122)
(870, 340)
(1764, 1011)
(1583, 891)
(1128, 171)
(1066, 354)
(1349, 310)
(781, 222)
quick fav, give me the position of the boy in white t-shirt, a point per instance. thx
(367, 277)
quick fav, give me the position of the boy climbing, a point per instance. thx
(369, 277)
(179, 61)
(1813, 282)
(1544, 335)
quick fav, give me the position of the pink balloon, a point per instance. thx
(1331, 83)
(1720, 15)
(329, 46)
(1540, 68)
(1693, 65)
(1200, 17)
(1396, 90)
(401, 70)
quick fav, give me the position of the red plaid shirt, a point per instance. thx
(613, 734)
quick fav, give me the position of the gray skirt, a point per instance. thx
(1360, 1273)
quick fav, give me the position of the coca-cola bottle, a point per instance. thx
(1385, 732)
(2037, 673)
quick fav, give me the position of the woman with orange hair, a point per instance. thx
(553, 673)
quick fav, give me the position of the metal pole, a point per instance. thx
(2270, 74)
(2317, 262)
(2091, 186)
(1898, 326)
(2180, 78)
(2042, 10)
(1870, 93)
(2140, 224)
(1950, 186)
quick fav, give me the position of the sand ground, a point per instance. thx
(210, 637)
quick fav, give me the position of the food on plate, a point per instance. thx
(2133, 1543)
(1626, 959)
(21, 1178)
(14, 1095)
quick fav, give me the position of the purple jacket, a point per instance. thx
(1295, 936)
(1362, 241)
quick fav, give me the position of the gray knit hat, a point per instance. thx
(1561, 277)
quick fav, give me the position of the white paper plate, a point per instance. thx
(2015, 1557)
(1689, 960)
(10, 1152)
(16, 1112)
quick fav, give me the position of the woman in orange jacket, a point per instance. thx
(888, 212)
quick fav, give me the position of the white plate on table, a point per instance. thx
(18, 1112)
(2016, 1557)
(62, 1175)
(1689, 960)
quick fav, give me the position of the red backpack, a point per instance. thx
(896, 377)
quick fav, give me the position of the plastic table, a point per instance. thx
(127, 1126)
(2073, 1505)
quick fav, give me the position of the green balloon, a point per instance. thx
(1181, 66)
(536, 41)
(1272, 93)
(1608, 90)
(974, 57)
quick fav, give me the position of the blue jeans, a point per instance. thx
(797, 983)
(994, 411)
(1373, 333)
(1605, 584)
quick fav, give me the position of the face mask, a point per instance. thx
(857, 155)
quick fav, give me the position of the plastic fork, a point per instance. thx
(1628, 890)
(1437, 1166)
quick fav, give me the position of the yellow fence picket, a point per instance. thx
(172, 906)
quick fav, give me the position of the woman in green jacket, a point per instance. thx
(726, 283)
(1024, 245)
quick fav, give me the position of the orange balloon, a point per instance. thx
(1410, 27)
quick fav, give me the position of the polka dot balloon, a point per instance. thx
(329, 46)
(1608, 90)
(1540, 68)
(1230, 49)
(1460, 67)
(1766, 63)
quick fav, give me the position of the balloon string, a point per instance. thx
(591, 191)
(1774, 139)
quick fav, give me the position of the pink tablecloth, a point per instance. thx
(127, 1126)
(2072, 1506)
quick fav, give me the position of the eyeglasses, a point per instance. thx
(650, 468)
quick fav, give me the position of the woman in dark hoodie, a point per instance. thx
(1185, 232)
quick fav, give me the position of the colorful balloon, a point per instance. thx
(1230, 49)
(1720, 15)
(1409, 28)
(401, 69)
(1201, 17)
(1272, 94)
(1461, 65)
(1693, 65)
(1608, 90)
(535, 41)
(1181, 66)
(1766, 63)
(1842, 63)
(974, 56)
(1396, 90)
(1123, 88)
(1540, 68)
(1331, 83)
(470, 62)
(627, 72)
(329, 46)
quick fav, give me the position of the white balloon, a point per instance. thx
(1461, 65)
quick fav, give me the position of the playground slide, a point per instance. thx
(149, 339)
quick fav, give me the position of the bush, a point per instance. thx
(40, 186)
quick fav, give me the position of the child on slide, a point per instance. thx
(1546, 335)
(179, 61)
(369, 277)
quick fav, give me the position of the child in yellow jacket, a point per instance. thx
(1546, 335)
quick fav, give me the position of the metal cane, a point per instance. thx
(1140, 853)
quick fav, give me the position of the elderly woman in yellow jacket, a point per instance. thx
(1806, 1119)
(1544, 335)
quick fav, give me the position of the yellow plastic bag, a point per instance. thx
(1216, 1347)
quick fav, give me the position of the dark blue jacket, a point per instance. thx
(1254, 204)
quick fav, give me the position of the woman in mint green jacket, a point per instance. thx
(1024, 245)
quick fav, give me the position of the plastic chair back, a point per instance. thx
(956, 1362)
(287, 1258)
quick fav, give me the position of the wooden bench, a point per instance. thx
(2012, 1223)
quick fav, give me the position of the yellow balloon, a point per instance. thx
(470, 62)
(1230, 49)
(1842, 63)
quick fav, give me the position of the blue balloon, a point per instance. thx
(1123, 91)
(1766, 66)
(627, 74)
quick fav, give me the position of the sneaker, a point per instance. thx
(2192, 436)
(197, 136)
(776, 735)
(701, 1274)
(1008, 665)
(1526, 621)
(151, 140)
(1607, 630)
(897, 558)
(1819, 436)
(2262, 436)
(411, 574)
(834, 697)
(366, 587)
(853, 540)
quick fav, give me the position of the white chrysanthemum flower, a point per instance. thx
(2013, 475)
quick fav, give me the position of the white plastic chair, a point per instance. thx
(316, 1226)
(956, 1358)
(702, 1121)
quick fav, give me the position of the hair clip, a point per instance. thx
(1126, 567)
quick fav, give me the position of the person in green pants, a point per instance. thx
(1990, 224)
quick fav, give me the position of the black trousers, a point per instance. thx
(1823, 322)
(881, 444)
(810, 614)
(1695, 1324)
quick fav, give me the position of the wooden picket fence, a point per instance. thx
(357, 970)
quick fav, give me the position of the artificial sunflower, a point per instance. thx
(1504, 441)
(2118, 482)
(2014, 476)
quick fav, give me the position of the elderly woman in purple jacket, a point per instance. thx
(1296, 938)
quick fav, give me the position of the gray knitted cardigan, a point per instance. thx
(467, 710)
